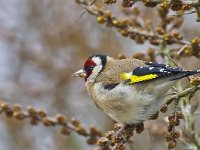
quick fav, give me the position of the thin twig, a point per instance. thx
(168, 57)
(184, 93)
(87, 8)
(192, 12)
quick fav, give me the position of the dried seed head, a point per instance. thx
(169, 128)
(9, 113)
(176, 5)
(124, 32)
(160, 30)
(4, 106)
(172, 122)
(120, 146)
(179, 115)
(121, 56)
(154, 41)
(171, 145)
(167, 37)
(187, 51)
(155, 116)
(139, 128)
(195, 81)
(171, 117)
(148, 3)
(19, 115)
(65, 131)
(91, 141)
(34, 121)
(168, 137)
(128, 132)
(177, 134)
(42, 113)
(127, 3)
(109, 134)
(164, 109)
(108, 14)
(102, 141)
(177, 122)
(117, 126)
(109, 1)
(186, 7)
(138, 55)
(61, 119)
(124, 22)
(100, 19)
(94, 131)
(165, 5)
(17, 107)
(115, 22)
(150, 51)
(195, 41)
(115, 139)
(81, 131)
(31, 110)
(176, 35)
(75, 122)
(48, 121)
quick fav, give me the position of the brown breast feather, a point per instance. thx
(114, 68)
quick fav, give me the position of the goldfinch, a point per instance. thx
(130, 91)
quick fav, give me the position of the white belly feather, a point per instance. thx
(125, 105)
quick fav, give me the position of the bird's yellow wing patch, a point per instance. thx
(134, 79)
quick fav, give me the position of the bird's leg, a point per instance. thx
(170, 94)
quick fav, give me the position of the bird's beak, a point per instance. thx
(81, 73)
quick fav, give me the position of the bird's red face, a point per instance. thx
(92, 67)
(88, 67)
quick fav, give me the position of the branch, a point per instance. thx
(40, 116)
(126, 28)
(193, 3)
(184, 93)
(175, 5)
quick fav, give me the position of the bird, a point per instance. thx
(129, 90)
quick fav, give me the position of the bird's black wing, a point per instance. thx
(154, 70)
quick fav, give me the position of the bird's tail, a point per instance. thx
(184, 73)
(193, 72)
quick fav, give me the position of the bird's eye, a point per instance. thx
(89, 68)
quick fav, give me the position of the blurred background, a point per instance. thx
(41, 44)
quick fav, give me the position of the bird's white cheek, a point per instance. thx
(94, 73)
(96, 70)
(97, 60)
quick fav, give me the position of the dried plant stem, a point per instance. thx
(194, 3)
(40, 116)
(130, 30)
(184, 93)
(198, 13)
